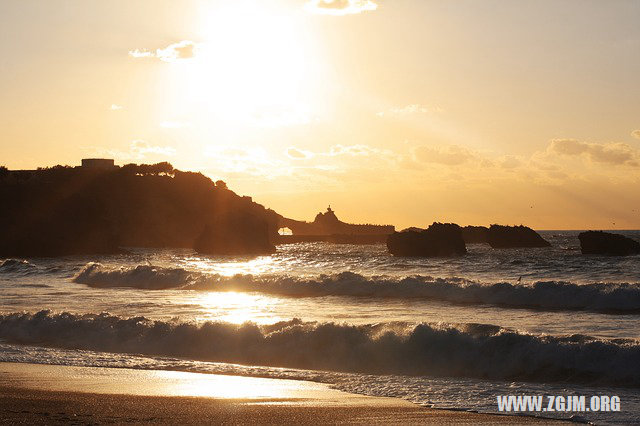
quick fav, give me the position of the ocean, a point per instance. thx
(450, 333)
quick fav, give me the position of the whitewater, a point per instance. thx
(446, 333)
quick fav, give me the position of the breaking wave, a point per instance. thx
(142, 276)
(472, 350)
(16, 266)
(542, 295)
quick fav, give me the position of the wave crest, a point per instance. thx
(16, 266)
(542, 295)
(146, 277)
(474, 350)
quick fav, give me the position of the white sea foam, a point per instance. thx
(543, 295)
(472, 350)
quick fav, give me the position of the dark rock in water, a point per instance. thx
(598, 242)
(475, 234)
(439, 240)
(235, 235)
(500, 236)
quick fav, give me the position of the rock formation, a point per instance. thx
(440, 239)
(475, 234)
(240, 234)
(500, 236)
(598, 242)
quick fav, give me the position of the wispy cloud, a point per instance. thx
(141, 148)
(138, 150)
(184, 49)
(614, 153)
(341, 7)
(409, 110)
(115, 107)
(636, 134)
(450, 155)
(298, 154)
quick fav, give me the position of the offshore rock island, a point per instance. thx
(327, 227)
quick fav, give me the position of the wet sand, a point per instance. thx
(44, 394)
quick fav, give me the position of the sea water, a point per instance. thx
(449, 333)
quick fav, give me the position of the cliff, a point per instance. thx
(66, 210)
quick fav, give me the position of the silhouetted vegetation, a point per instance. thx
(65, 210)
(598, 242)
(439, 240)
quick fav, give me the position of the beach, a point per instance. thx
(51, 394)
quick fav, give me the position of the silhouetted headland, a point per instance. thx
(328, 228)
(598, 242)
(439, 240)
(99, 207)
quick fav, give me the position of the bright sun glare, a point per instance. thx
(252, 66)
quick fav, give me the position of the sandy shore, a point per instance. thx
(44, 394)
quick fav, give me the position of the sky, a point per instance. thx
(398, 112)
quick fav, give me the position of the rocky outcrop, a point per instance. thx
(500, 236)
(240, 234)
(327, 223)
(475, 234)
(439, 240)
(598, 242)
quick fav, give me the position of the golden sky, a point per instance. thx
(393, 111)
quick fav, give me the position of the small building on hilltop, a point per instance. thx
(98, 163)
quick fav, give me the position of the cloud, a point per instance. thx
(140, 148)
(413, 109)
(144, 53)
(184, 49)
(608, 153)
(352, 150)
(115, 107)
(451, 155)
(298, 154)
(341, 7)
(636, 134)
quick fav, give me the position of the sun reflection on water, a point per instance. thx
(236, 308)
(229, 266)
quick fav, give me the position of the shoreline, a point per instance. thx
(52, 394)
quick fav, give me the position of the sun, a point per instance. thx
(254, 65)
